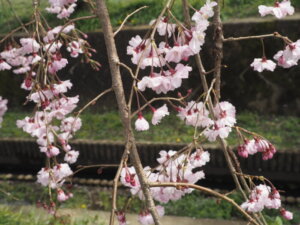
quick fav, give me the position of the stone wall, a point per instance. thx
(266, 92)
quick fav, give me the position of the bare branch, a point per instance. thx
(275, 34)
(123, 108)
(154, 100)
(14, 31)
(127, 17)
(115, 185)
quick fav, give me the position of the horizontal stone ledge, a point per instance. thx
(15, 152)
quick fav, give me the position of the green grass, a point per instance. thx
(282, 131)
(119, 9)
(32, 216)
(196, 204)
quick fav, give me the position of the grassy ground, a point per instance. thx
(282, 131)
(194, 205)
(120, 8)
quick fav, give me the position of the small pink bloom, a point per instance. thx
(286, 214)
(280, 10)
(61, 196)
(141, 124)
(71, 156)
(159, 114)
(263, 64)
(4, 65)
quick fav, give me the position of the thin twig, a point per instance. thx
(124, 111)
(14, 31)
(209, 90)
(17, 17)
(115, 184)
(128, 69)
(127, 17)
(154, 100)
(275, 34)
(94, 100)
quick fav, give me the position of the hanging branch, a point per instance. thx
(115, 185)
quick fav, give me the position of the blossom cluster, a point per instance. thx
(172, 168)
(196, 114)
(40, 58)
(263, 196)
(285, 58)
(291, 54)
(63, 8)
(250, 147)
(26, 57)
(141, 124)
(260, 197)
(188, 42)
(53, 128)
(279, 10)
(3, 108)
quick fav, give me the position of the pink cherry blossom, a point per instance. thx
(129, 178)
(225, 114)
(43, 176)
(71, 156)
(141, 124)
(198, 39)
(61, 196)
(289, 56)
(195, 114)
(3, 108)
(146, 218)
(260, 197)
(51, 34)
(4, 65)
(178, 53)
(280, 10)
(76, 48)
(250, 147)
(121, 217)
(29, 45)
(57, 64)
(159, 113)
(263, 64)
(62, 87)
(286, 214)
(50, 150)
(70, 124)
(163, 27)
(199, 158)
(216, 130)
(205, 12)
(53, 47)
(165, 156)
(62, 8)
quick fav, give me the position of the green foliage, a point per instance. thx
(119, 9)
(16, 216)
(282, 131)
(195, 205)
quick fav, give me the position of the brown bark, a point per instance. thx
(124, 112)
(218, 49)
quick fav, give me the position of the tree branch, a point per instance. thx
(123, 108)
(127, 17)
